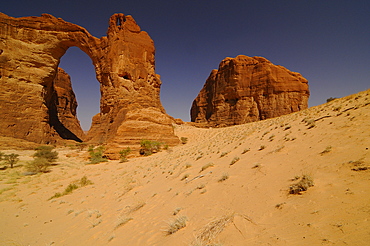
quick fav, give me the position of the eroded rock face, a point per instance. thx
(30, 51)
(63, 105)
(246, 89)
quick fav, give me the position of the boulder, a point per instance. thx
(246, 89)
(30, 51)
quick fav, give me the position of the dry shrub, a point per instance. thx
(223, 177)
(136, 207)
(122, 221)
(302, 185)
(206, 166)
(212, 230)
(176, 225)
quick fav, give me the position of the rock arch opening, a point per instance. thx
(77, 64)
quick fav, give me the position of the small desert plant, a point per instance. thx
(176, 211)
(330, 99)
(245, 151)
(96, 154)
(262, 147)
(38, 165)
(185, 176)
(123, 154)
(81, 146)
(223, 177)
(212, 230)
(280, 205)
(223, 154)
(122, 221)
(47, 153)
(149, 147)
(233, 161)
(309, 122)
(326, 150)
(11, 159)
(184, 140)
(208, 165)
(305, 182)
(136, 207)
(176, 225)
(188, 165)
(84, 181)
(73, 186)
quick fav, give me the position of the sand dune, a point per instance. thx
(226, 186)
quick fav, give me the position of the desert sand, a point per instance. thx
(228, 186)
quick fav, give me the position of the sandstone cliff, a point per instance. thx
(246, 89)
(30, 51)
(63, 105)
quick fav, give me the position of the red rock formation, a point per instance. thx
(246, 89)
(30, 51)
(63, 104)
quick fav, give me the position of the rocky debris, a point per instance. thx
(246, 89)
(30, 51)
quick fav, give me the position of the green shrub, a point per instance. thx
(149, 147)
(11, 159)
(81, 146)
(330, 99)
(123, 154)
(38, 165)
(73, 186)
(70, 188)
(46, 153)
(96, 155)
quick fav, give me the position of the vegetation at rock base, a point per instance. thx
(123, 154)
(149, 147)
(96, 154)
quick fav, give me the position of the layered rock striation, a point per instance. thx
(30, 51)
(246, 89)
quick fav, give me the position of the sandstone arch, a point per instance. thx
(130, 107)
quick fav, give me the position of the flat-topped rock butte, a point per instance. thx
(130, 107)
(246, 89)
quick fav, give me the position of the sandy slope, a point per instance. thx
(250, 207)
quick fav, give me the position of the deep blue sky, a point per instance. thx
(328, 42)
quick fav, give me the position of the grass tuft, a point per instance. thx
(207, 235)
(223, 177)
(73, 186)
(303, 185)
(176, 225)
(208, 165)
